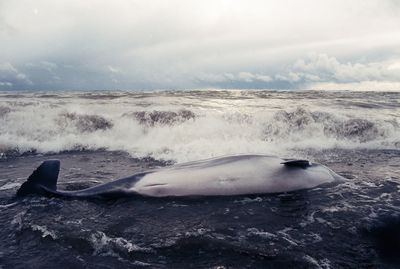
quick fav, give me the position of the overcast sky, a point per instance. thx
(159, 44)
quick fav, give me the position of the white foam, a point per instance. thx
(102, 243)
(220, 127)
(9, 186)
(263, 234)
(44, 231)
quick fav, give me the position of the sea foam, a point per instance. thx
(184, 126)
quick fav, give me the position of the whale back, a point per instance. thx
(235, 175)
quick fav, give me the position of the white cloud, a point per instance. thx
(249, 77)
(319, 71)
(394, 66)
(5, 84)
(7, 68)
(10, 76)
(195, 44)
(246, 77)
(114, 70)
(45, 65)
(356, 86)
(324, 68)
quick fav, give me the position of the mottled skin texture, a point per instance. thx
(224, 176)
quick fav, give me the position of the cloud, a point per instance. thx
(43, 65)
(114, 70)
(324, 68)
(355, 86)
(132, 44)
(394, 66)
(238, 77)
(10, 77)
(318, 71)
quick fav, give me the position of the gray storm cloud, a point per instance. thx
(174, 44)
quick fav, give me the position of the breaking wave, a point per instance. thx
(83, 123)
(170, 126)
(151, 118)
(356, 130)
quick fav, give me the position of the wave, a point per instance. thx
(151, 118)
(4, 111)
(183, 129)
(351, 129)
(83, 123)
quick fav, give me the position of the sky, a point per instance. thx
(187, 44)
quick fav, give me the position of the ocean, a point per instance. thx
(103, 135)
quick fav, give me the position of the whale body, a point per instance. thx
(223, 176)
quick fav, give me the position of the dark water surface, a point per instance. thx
(320, 228)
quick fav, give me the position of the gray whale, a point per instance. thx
(223, 176)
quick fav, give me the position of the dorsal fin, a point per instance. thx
(297, 163)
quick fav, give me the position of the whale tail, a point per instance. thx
(43, 180)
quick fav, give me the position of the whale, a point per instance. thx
(221, 176)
